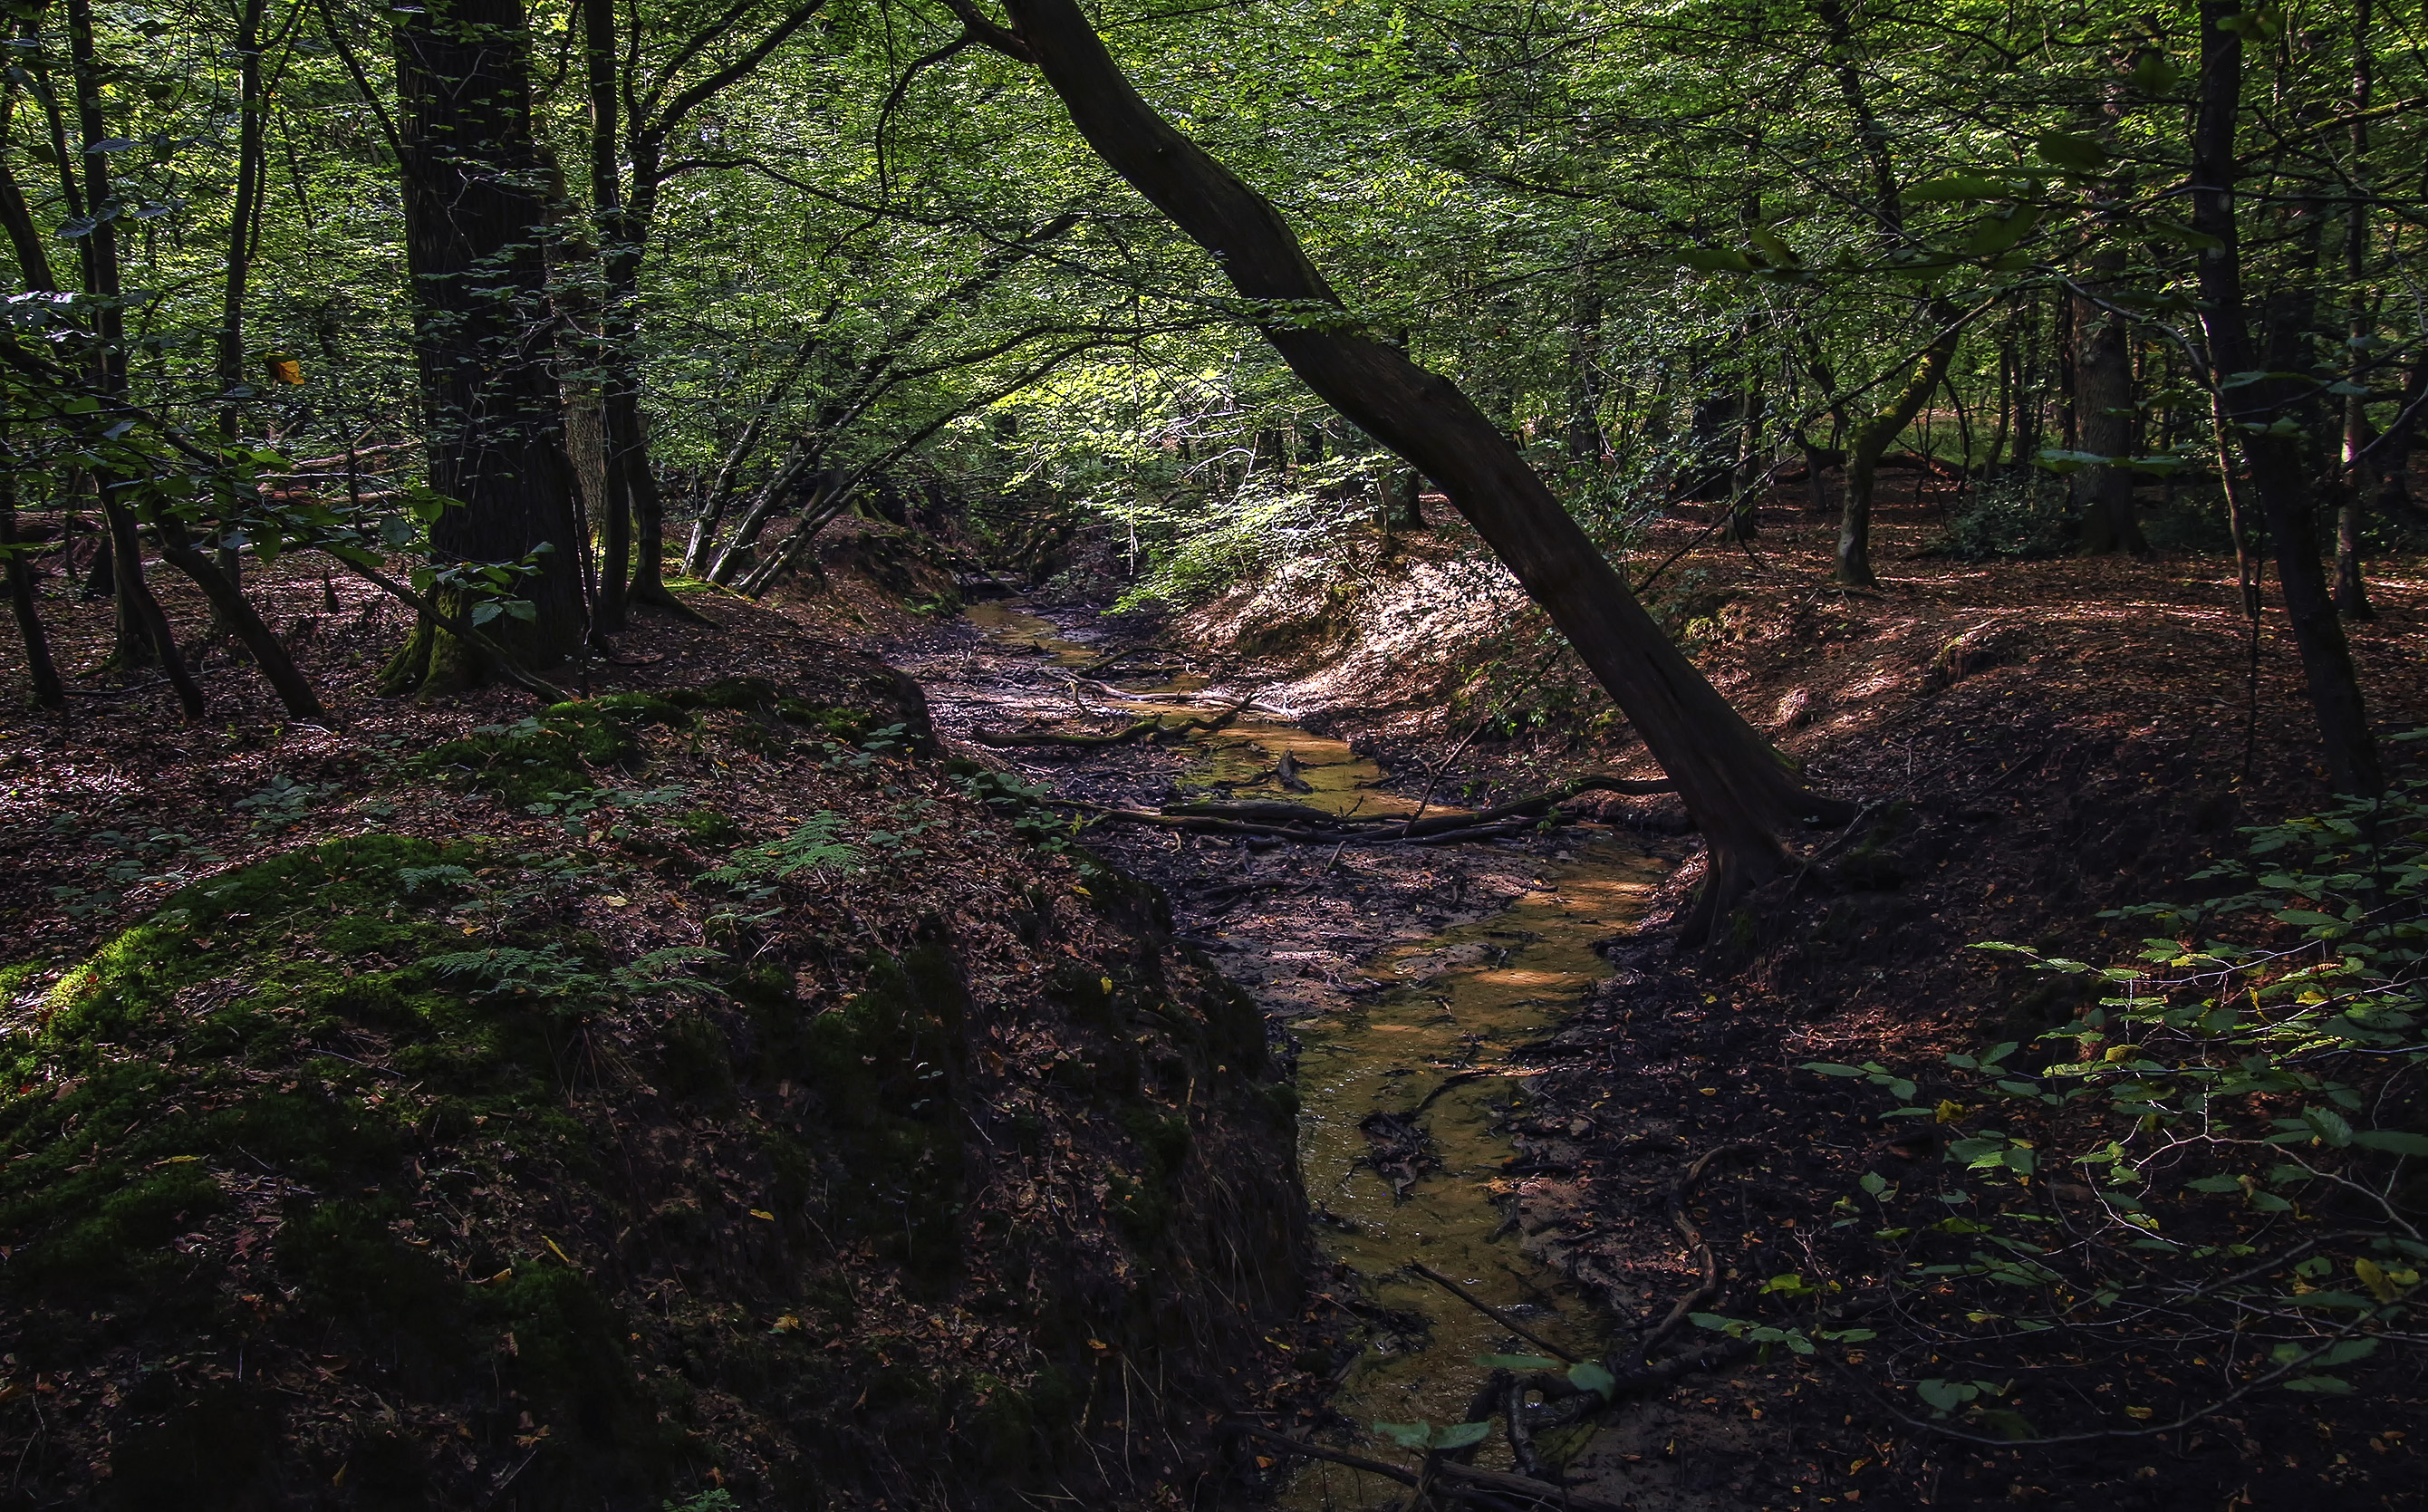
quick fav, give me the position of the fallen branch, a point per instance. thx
(1490, 1311)
(1679, 1219)
(1460, 1479)
(1150, 727)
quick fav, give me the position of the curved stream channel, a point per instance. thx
(1407, 1085)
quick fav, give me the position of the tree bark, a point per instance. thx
(2252, 407)
(1741, 791)
(1871, 441)
(44, 673)
(140, 621)
(476, 231)
(2102, 395)
(2352, 584)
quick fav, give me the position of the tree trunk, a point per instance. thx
(141, 624)
(243, 214)
(1871, 441)
(2352, 586)
(1740, 790)
(2273, 462)
(476, 228)
(2103, 396)
(41, 670)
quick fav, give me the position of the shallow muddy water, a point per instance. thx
(1407, 1087)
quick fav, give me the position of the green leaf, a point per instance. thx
(2154, 73)
(2215, 1184)
(1874, 1183)
(1998, 232)
(2393, 1140)
(1775, 247)
(1406, 1435)
(1830, 1068)
(1956, 189)
(1944, 1395)
(1588, 1376)
(2075, 152)
(2325, 1385)
(2330, 1125)
(1715, 259)
(1460, 1435)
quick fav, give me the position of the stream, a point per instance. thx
(1412, 978)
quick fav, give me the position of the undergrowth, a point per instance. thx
(2209, 1186)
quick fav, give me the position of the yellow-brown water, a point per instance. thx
(1461, 1001)
(1433, 1043)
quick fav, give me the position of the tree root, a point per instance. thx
(1710, 1285)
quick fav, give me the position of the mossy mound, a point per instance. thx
(447, 1170)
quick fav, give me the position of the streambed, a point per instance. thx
(1411, 980)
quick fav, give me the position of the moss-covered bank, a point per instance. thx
(678, 1093)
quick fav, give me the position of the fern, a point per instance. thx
(813, 846)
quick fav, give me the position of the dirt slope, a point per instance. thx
(696, 1090)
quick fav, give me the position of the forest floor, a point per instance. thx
(2033, 742)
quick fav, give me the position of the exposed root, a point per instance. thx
(1684, 1224)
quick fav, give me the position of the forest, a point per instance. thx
(1390, 754)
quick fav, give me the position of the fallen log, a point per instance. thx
(1061, 737)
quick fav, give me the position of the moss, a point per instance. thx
(708, 827)
(194, 1041)
(557, 750)
(1164, 1136)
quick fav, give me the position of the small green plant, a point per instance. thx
(1424, 1436)
(813, 846)
(2014, 514)
(283, 804)
(1021, 801)
(1585, 1375)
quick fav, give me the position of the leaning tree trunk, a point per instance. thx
(1741, 791)
(2274, 462)
(476, 231)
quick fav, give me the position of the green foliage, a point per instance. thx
(555, 751)
(1423, 1436)
(2018, 514)
(2229, 1086)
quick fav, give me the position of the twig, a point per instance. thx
(1463, 1479)
(1490, 1311)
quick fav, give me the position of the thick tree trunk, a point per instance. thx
(476, 229)
(1740, 790)
(2273, 462)
(2102, 395)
